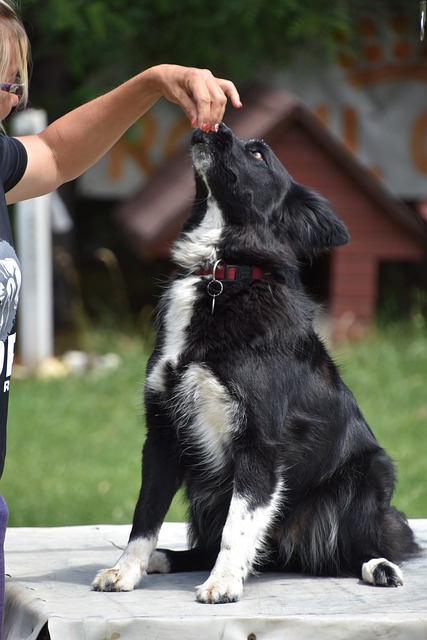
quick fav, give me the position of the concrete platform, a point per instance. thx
(48, 595)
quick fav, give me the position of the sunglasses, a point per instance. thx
(12, 87)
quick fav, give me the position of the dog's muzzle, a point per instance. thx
(205, 147)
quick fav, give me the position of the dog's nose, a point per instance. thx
(198, 136)
(224, 131)
(223, 137)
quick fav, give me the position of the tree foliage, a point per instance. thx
(83, 46)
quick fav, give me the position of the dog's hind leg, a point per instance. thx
(167, 561)
(382, 573)
(161, 478)
(398, 543)
(375, 535)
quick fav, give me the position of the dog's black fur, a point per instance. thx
(244, 406)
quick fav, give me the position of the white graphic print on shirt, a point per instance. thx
(10, 284)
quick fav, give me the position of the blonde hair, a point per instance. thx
(14, 46)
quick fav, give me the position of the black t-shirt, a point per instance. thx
(13, 162)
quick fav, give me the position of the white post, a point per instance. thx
(34, 249)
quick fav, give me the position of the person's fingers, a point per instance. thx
(230, 90)
(202, 97)
(188, 105)
(209, 100)
(220, 89)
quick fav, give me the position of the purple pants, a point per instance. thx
(4, 513)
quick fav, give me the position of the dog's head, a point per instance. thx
(258, 199)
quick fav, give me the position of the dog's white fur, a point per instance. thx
(130, 568)
(369, 571)
(242, 539)
(199, 247)
(179, 311)
(213, 416)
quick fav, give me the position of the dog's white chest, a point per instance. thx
(180, 304)
(205, 413)
(199, 245)
(191, 251)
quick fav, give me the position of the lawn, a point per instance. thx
(74, 443)
(388, 375)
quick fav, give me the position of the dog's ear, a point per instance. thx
(310, 221)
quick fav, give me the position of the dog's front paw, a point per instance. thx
(220, 591)
(116, 579)
(382, 573)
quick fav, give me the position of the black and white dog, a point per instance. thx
(244, 406)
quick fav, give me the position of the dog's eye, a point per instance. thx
(256, 154)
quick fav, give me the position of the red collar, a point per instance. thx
(236, 272)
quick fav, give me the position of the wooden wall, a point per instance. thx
(375, 236)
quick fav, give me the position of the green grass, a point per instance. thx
(388, 375)
(74, 444)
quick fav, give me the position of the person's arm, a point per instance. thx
(74, 142)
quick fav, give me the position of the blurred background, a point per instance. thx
(339, 90)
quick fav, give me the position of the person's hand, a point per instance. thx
(202, 97)
(74, 142)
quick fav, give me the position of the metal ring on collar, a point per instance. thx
(214, 288)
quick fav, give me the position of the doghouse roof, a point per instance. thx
(153, 216)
